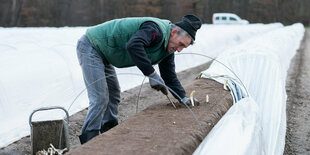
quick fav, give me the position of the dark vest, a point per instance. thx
(110, 38)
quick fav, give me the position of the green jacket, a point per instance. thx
(110, 39)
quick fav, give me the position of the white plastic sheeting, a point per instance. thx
(245, 132)
(39, 68)
(211, 40)
(257, 123)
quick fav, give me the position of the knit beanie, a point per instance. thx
(190, 23)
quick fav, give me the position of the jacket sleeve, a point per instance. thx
(148, 35)
(167, 72)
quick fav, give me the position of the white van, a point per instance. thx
(227, 18)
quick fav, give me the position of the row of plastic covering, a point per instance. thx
(257, 69)
(39, 68)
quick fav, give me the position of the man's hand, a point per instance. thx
(157, 83)
(187, 101)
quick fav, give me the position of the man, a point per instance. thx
(126, 42)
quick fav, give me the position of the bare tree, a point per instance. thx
(91, 12)
(276, 10)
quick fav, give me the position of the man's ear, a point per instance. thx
(174, 32)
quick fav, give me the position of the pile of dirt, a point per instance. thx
(161, 129)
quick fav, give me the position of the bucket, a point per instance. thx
(44, 133)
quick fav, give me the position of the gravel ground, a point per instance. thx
(298, 101)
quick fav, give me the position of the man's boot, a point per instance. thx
(85, 137)
(108, 125)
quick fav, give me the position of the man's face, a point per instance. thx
(177, 42)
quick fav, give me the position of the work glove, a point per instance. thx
(187, 101)
(157, 83)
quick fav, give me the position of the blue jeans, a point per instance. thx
(102, 88)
